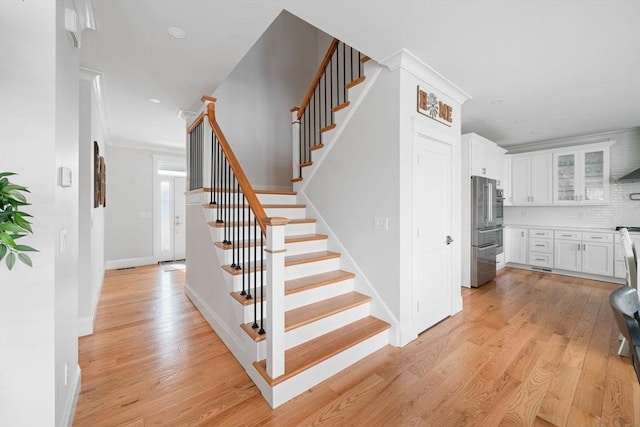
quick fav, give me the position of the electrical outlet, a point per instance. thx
(524, 214)
(380, 223)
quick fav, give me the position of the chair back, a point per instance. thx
(630, 258)
(625, 305)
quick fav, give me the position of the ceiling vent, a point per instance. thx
(72, 25)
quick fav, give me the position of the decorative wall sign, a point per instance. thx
(430, 106)
(99, 178)
(96, 174)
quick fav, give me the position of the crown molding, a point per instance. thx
(412, 64)
(594, 138)
(97, 88)
(148, 146)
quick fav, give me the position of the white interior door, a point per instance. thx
(432, 256)
(171, 212)
(179, 207)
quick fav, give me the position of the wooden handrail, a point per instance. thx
(196, 122)
(316, 79)
(248, 191)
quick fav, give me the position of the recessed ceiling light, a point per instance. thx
(177, 33)
(154, 100)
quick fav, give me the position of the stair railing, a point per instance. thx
(255, 240)
(340, 69)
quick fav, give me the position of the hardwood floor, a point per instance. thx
(528, 349)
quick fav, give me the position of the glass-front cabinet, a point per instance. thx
(581, 177)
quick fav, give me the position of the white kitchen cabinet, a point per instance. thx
(485, 157)
(506, 180)
(531, 179)
(541, 248)
(516, 245)
(584, 252)
(581, 176)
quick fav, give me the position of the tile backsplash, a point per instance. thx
(624, 157)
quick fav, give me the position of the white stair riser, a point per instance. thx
(277, 199)
(217, 233)
(320, 293)
(320, 327)
(311, 377)
(306, 247)
(247, 310)
(236, 281)
(291, 213)
(292, 249)
(311, 268)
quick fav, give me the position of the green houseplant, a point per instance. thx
(14, 223)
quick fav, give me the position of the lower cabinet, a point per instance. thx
(584, 252)
(541, 248)
(516, 245)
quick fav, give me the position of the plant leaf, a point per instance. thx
(11, 260)
(3, 250)
(22, 223)
(4, 238)
(3, 174)
(25, 259)
(14, 228)
(12, 187)
(25, 248)
(19, 196)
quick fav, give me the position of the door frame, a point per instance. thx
(421, 130)
(158, 159)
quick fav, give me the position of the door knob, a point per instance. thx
(449, 240)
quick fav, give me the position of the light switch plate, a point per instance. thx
(65, 177)
(380, 223)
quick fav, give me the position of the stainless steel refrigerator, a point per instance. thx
(486, 229)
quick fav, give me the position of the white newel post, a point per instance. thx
(295, 139)
(274, 252)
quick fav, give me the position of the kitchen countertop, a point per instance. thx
(585, 229)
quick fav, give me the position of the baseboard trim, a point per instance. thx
(72, 400)
(128, 262)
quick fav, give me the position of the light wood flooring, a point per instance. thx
(528, 349)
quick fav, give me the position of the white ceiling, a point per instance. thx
(536, 70)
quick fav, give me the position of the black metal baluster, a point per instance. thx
(313, 126)
(331, 87)
(239, 264)
(261, 331)
(244, 243)
(212, 200)
(316, 94)
(344, 73)
(338, 75)
(255, 276)
(218, 190)
(300, 144)
(324, 100)
(234, 265)
(359, 64)
(351, 61)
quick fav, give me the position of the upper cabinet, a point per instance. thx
(581, 176)
(485, 158)
(576, 175)
(531, 179)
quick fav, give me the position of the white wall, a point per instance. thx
(91, 220)
(624, 157)
(359, 179)
(254, 100)
(39, 125)
(129, 212)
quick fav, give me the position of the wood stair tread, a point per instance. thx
(299, 238)
(309, 257)
(316, 280)
(313, 352)
(246, 206)
(316, 147)
(301, 316)
(297, 285)
(355, 82)
(250, 223)
(340, 106)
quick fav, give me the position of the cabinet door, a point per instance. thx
(520, 180)
(516, 247)
(506, 180)
(541, 178)
(597, 258)
(595, 182)
(568, 255)
(480, 159)
(565, 168)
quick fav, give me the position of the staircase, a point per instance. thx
(328, 325)
(314, 324)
